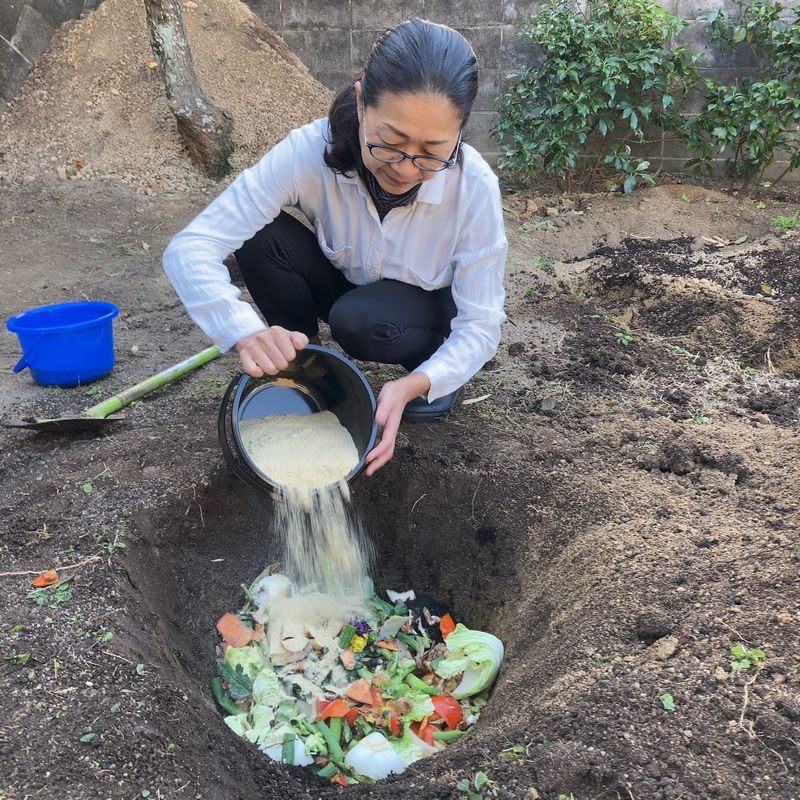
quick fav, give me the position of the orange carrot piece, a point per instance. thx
(233, 630)
(388, 645)
(258, 633)
(360, 691)
(46, 578)
(446, 625)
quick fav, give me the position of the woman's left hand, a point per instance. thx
(392, 401)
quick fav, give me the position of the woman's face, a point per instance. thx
(417, 124)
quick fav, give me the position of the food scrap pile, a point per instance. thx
(356, 690)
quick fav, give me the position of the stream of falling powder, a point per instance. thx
(324, 545)
(307, 457)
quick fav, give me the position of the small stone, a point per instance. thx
(62, 173)
(784, 617)
(135, 349)
(762, 419)
(532, 794)
(567, 204)
(779, 678)
(115, 92)
(551, 211)
(663, 649)
(720, 675)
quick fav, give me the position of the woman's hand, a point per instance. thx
(269, 351)
(392, 401)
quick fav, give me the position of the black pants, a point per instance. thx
(294, 285)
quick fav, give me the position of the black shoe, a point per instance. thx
(420, 410)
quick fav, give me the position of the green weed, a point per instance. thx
(479, 788)
(744, 657)
(624, 335)
(787, 223)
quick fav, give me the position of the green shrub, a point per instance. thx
(756, 115)
(607, 70)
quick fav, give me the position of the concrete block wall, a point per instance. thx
(26, 27)
(333, 38)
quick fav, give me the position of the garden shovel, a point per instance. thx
(103, 413)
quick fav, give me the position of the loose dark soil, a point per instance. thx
(620, 507)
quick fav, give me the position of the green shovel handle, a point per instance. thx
(127, 396)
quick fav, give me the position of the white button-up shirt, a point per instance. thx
(451, 235)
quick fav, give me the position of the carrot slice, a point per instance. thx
(446, 625)
(336, 708)
(233, 630)
(46, 578)
(388, 645)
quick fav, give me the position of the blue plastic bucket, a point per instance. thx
(67, 344)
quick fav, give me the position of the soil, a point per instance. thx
(620, 507)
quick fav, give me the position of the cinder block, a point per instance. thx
(692, 9)
(513, 11)
(14, 67)
(696, 38)
(516, 52)
(322, 51)
(334, 80)
(488, 90)
(479, 129)
(378, 14)
(269, 11)
(310, 14)
(9, 15)
(467, 13)
(33, 34)
(57, 11)
(361, 42)
(486, 43)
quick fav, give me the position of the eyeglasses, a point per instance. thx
(391, 155)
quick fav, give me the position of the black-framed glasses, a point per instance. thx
(392, 155)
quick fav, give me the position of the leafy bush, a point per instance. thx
(756, 115)
(606, 71)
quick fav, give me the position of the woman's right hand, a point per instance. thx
(269, 351)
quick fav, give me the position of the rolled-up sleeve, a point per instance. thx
(478, 293)
(193, 260)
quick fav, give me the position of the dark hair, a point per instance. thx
(415, 56)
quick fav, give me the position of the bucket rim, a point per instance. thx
(240, 382)
(16, 324)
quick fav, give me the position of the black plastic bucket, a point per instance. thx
(319, 379)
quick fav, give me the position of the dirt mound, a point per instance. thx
(94, 104)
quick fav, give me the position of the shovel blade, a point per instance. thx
(63, 424)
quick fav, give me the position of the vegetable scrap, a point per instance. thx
(355, 690)
(46, 578)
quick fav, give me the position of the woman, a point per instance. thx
(407, 255)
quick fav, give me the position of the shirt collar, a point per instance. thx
(431, 191)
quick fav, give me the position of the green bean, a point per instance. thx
(448, 736)
(415, 683)
(334, 748)
(287, 751)
(221, 696)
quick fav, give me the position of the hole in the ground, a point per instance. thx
(448, 534)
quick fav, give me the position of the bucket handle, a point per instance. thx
(26, 357)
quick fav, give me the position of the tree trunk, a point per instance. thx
(204, 128)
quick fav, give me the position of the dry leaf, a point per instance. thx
(476, 400)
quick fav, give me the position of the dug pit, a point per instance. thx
(447, 532)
